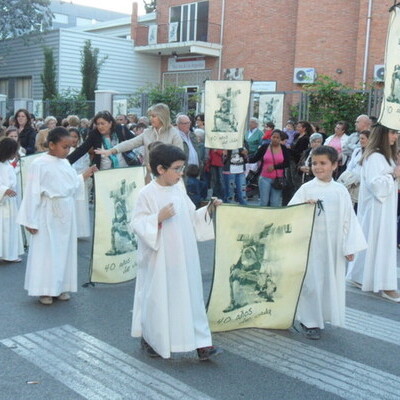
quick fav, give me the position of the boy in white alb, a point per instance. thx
(336, 236)
(168, 311)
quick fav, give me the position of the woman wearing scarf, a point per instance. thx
(105, 135)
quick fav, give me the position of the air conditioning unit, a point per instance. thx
(304, 75)
(379, 73)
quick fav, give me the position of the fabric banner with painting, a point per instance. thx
(114, 245)
(226, 110)
(390, 108)
(260, 262)
(271, 109)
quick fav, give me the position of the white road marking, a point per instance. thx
(322, 369)
(96, 370)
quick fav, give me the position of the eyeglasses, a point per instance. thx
(178, 170)
(184, 123)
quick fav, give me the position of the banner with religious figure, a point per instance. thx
(226, 110)
(261, 257)
(114, 245)
(270, 109)
(390, 108)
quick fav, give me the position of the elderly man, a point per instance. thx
(189, 140)
(363, 123)
(253, 136)
(122, 119)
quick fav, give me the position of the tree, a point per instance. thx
(330, 101)
(150, 6)
(90, 69)
(48, 77)
(18, 17)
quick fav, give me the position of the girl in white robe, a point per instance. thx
(48, 213)
(11, 245)
(81, 205)
(169, 312)
(376, 268)
(336, 236)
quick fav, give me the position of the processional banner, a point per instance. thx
(226, 109)
(260, 261)
(271, 109)
(114, 245)
(390, 108)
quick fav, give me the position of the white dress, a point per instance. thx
(336, 234)
(376, 268)
(82, 205)
(11, 245)
(49, 206)
(169, 310)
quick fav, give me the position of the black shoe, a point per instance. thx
(311, 333)
(148, 349)
(205, 353)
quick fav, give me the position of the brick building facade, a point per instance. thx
(266, 40)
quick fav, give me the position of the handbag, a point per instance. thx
(280, 182)
(131, 158)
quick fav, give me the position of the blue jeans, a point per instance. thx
(235, 184)
(268, 195)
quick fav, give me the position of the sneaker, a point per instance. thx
(205, 353)
(311, 333)
(46, 300)
(148, 349)
(64, 296)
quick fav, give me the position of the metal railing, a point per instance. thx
(192, 30)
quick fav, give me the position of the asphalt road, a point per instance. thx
(82, 349)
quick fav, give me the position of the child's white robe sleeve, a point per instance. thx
(379, 180)
(29, 211)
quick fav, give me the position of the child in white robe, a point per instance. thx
(336, 236)
(11, 245)
(169, 312)
(48, 213)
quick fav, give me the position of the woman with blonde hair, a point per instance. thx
(41, 138)
(160, 130)
(375, 269)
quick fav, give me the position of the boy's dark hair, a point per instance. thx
(165, 155)
(328, 151)
(283, 135)
(8, 148)
(192, 171)
(270, 125)
(57, 134)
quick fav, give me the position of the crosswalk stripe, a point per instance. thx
(322, 369)
(96, 370)
(373, 326)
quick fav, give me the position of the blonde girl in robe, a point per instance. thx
(375, 269)
(48, 213)
(11, 246)
(168, 312)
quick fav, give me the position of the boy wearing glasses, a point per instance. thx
(168, 311)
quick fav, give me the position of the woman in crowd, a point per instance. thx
(375, 269)
(305, 160)
(160, 130)
(26, 132)
(104, 135)
(274, 159)
(41, 138)
(338, 140)
(351, 177)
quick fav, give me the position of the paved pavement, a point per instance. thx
(82, 349)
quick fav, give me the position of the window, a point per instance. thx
(84, 21)
(4, 86)
(23, 88)
(60, 18)
(192, 20)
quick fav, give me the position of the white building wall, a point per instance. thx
(123, 71)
